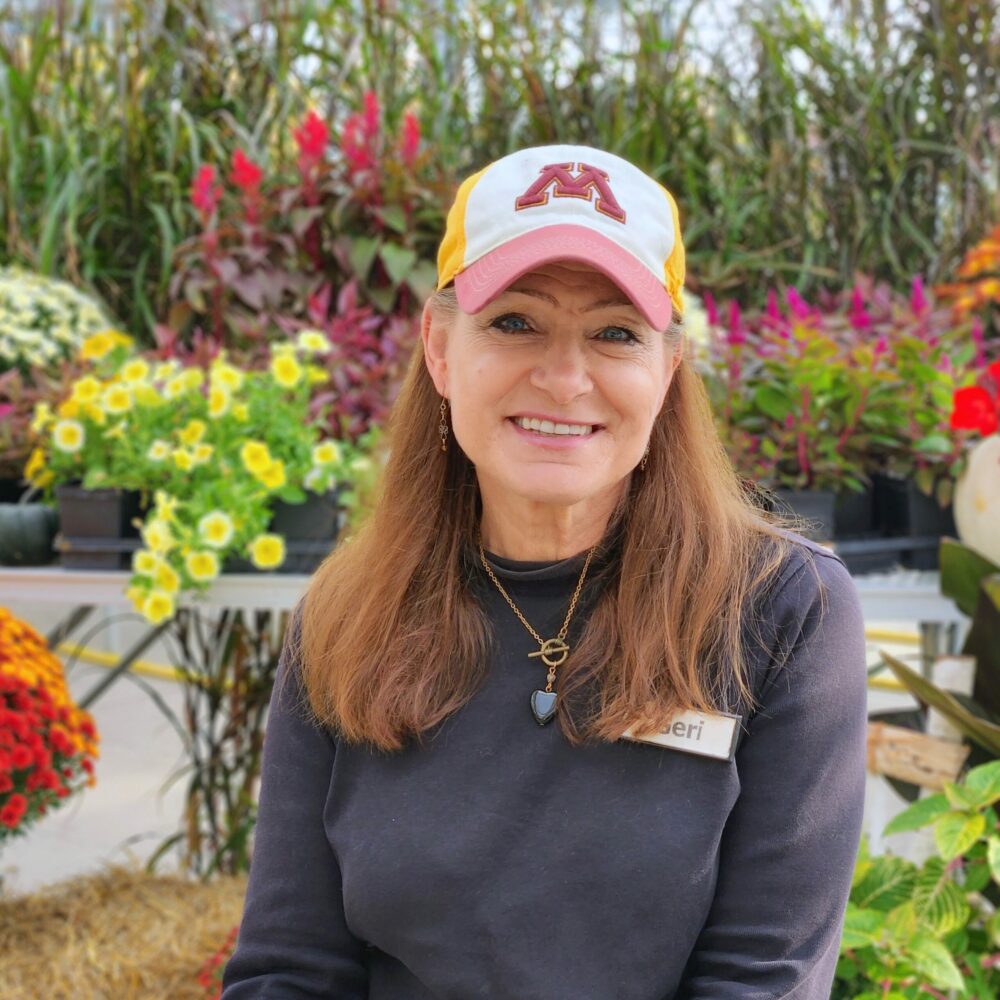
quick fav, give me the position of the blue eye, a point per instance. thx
(500, 322)
(632, 338)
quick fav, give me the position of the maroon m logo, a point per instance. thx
(587, 180)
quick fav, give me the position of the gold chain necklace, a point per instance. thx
(552, 651)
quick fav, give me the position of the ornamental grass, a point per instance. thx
(119, 934)
(47, 744)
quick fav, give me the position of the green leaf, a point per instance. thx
(398, 261)
(361, 255)
(931, 959)
(772, 401)
(983, 782)
(861, 927)
(986, 734)
(976, 876)
(959, 797)
(955, 833)
(922, 812)
(993, 856)
(394, 217)
(939, 903)
(937, 444)
(962, 570)
(887, 883)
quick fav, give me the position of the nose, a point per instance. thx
(562, 371)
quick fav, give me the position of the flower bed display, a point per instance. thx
(47, 745)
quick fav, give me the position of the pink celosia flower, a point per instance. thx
(246, 175)
(918, 300)
(205, 193)
(410, 139)
(312, 137)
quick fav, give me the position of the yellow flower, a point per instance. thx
(326, 453)
(117, 399)
(316, 374)
(202, 565)
(86, 389)
(135, 370)
(218, 400)
(158, 451)
(119, 339)
(137, 595)
(202, 453)
(193, 432)
(116, 430)
(165, 370)
(156, 534)
(94, 412)
(192, 378)
(255, 457)
(226, 376)
(241, 412)
(183, 459)
(96, 346)
(145, 562)
(313, 340)
(158, 606)
(166, 505)
(215, 529)
(36, 461)
(42, 417)
(68, 408)
(286, 370)
(167, 578)
(175, 387)
(68, 435)
(273, 477)
(267, 551)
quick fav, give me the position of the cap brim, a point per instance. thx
(484, 280)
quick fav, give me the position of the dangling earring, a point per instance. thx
(645, 455)
(443, 425)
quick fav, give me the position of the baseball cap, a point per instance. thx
(564, 202)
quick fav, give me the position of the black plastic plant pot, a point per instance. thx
(11, 488)
(854, 514)
(103, 513)
(26, 534)
(819, 506)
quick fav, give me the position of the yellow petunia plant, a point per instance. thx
(211, 448)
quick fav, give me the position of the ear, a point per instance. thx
(434, 337)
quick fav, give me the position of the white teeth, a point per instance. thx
(548, 427)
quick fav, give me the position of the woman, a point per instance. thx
(570, 717)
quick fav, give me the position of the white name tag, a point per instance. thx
(696, 732)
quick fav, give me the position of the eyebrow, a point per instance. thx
(603, 304)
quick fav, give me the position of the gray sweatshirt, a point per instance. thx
(500, 862)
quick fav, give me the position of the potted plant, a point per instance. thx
(47, 744)
(214, 449)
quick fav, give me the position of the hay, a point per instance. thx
(120, 934)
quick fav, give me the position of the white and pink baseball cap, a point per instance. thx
(561, 202)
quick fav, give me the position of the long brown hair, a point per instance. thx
(392, 639)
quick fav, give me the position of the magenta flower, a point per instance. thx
(205, 193)
(410, 140)
(246, 175)
(918, 300)
(312, 138)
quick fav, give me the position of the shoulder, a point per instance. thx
(811, 572)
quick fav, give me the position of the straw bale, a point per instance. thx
(119, 934)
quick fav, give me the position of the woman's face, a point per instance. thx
(562, 344)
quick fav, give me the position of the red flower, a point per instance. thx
(975, 410)
(246, 175)
(205, 193)
(11, 813)
(411, 138)
(312, 138)
(21, 757)
(6, 783)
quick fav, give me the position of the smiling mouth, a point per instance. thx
(550, 428)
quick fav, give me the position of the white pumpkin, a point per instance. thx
(977, 499)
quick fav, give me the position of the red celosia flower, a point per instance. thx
(205, 193)
(918, 300)
(411, 138)
(246, 175)
(975, 410)
(311, 137)
(372, 112)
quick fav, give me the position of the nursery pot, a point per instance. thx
(95, 526)
(854, 514)
(310, 531)
(26, 534)
(903, 511)
(11, 488)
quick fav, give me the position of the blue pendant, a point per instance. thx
(543, 704)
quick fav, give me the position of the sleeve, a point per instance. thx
(787, 852)
(293, 939)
